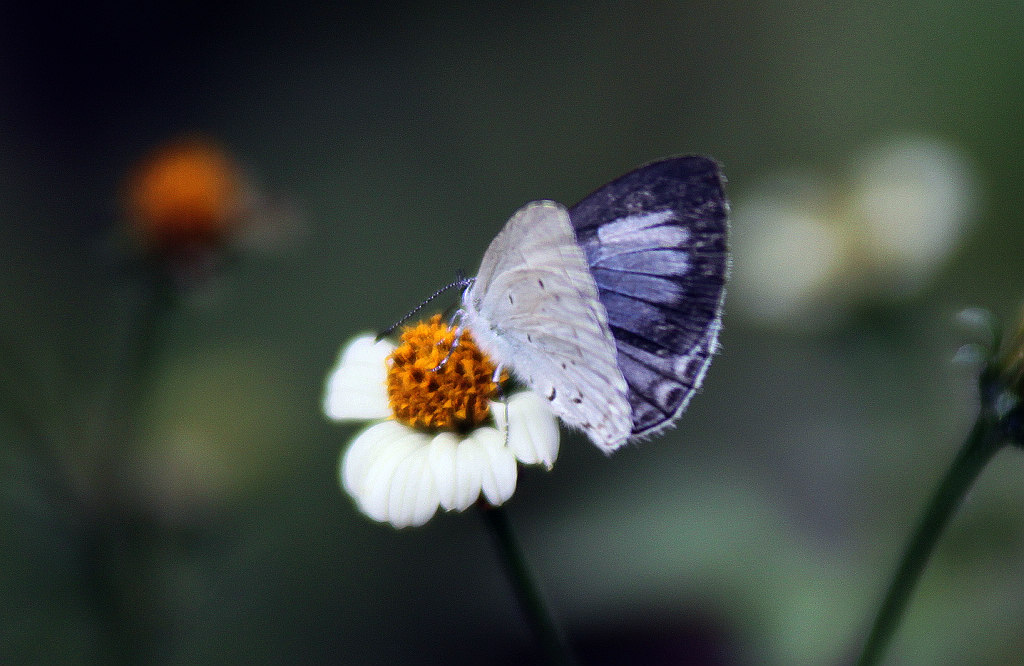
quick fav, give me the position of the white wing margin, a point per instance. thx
(534, 309)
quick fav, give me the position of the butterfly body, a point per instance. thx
(610, 310)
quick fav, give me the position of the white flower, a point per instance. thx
(401, 474)
(807, 249)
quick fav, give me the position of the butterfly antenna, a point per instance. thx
(460, 281)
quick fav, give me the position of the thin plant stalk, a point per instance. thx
(121, 538)
(984, 441)
(527, 592)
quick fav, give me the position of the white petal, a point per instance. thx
(356, 387)
(498, 465)
(375, 495)
(533, 430)
(469, 462)
(442, 465)
(363, 451)
(413, 499)
(427, 499)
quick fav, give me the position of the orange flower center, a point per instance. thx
(452, 397)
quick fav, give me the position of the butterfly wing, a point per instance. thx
(655, 241)
(534, 308)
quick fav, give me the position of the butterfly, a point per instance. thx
(611, 309)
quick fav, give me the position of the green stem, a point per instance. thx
(122, 537)
(526, 590)
(983, 443)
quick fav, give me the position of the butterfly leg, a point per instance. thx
(504, 402)
(455, 343)
(502, 398)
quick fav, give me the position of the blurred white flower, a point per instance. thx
(806, 249)
(788, 254)
(430, 448)
(912, 200)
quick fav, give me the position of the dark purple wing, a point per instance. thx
(656, 243)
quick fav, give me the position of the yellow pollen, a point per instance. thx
(453, 397)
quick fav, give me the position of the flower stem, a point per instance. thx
(984, 441)
(121, 536)
(527, 592)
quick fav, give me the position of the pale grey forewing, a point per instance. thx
(534, 309)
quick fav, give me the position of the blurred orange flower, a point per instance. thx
(187, 194)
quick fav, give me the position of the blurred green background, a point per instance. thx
(394, 141)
